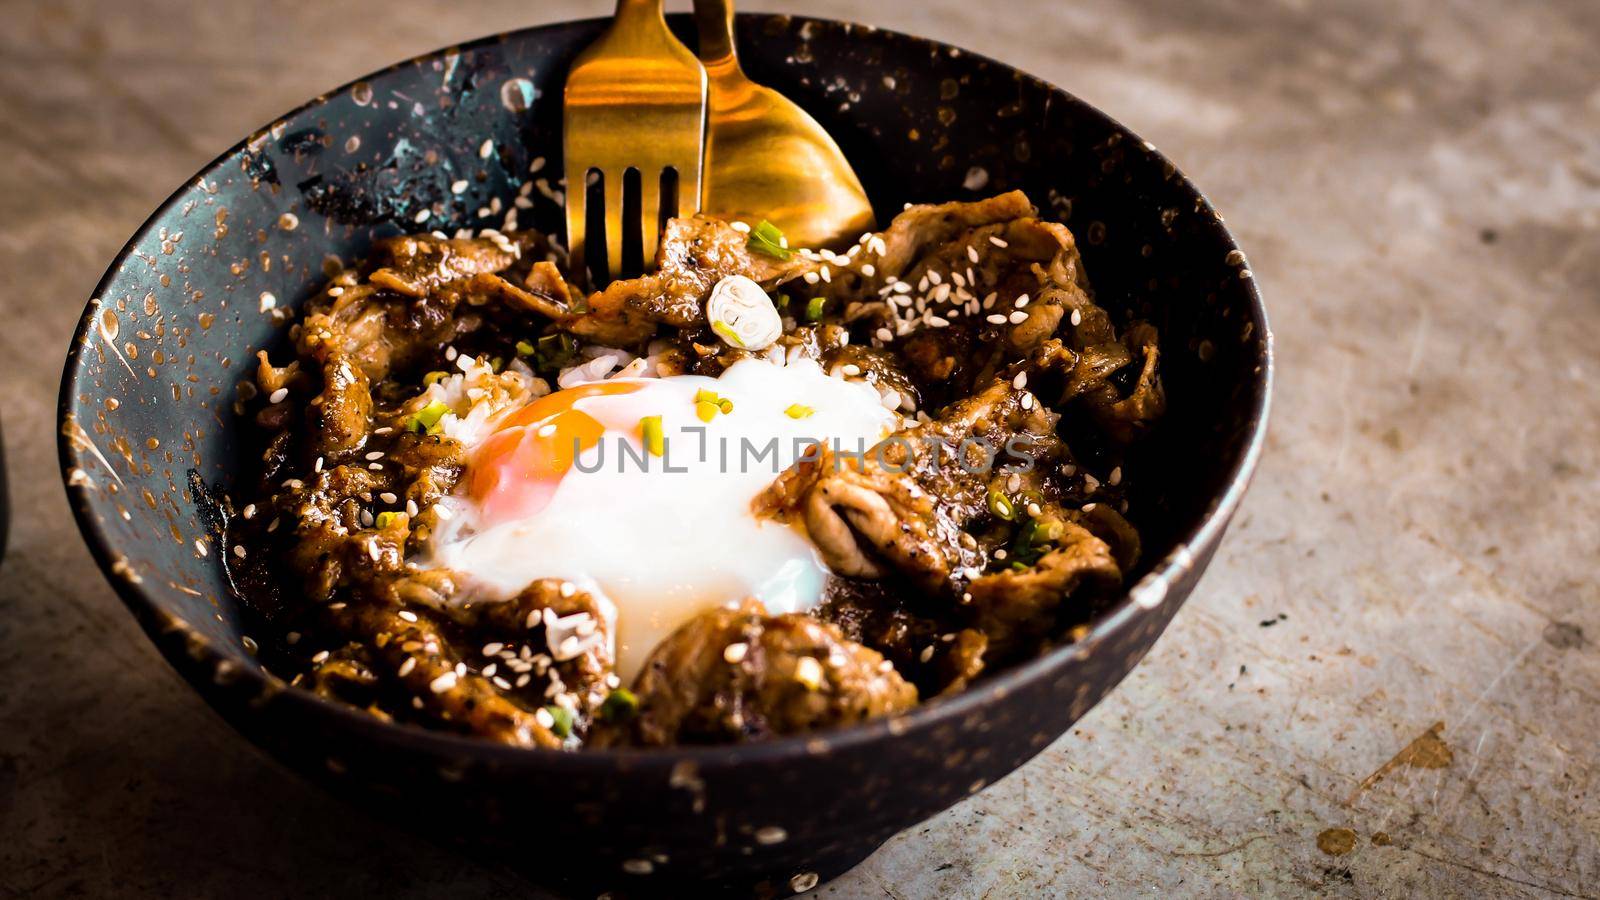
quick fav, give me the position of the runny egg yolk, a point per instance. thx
(565, 487)
(517, 469)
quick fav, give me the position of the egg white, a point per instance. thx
(660, 541)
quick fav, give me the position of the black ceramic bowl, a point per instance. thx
(146, 426)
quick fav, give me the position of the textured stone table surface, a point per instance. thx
(1398, 638)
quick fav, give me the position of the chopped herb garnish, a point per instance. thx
(524, 348)
(814, 308)
(562, 726)
(384, 519)
(796, 411)
(555, 351)
(727, 333)
(619, 706)
(655, 439)
(427, 418)
(725, 405)
(497, 365)
(768, 240)
(1001, 505)
(433, 378)
(705, 411)
(782, 301)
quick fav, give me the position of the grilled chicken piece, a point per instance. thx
(737, 674)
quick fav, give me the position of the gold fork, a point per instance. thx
(635, 99)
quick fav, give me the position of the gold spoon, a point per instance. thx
(766, 158)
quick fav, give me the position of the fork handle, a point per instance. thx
(715, 21)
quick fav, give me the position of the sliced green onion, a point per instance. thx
(433, 378)
(655, 439)
(728, 334)
(725, 405)
(782, 301)
(427, 418)
(1001, 505)
(384, 519)
(705, 411)
(814, 308)
(497, 365)
(705, 396)
(562, 726)
(796, 411)
(768, 240)
(555, 350)
(620, 705)
(524, 348)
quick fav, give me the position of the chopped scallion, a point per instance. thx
(725, 405)
(727, 333)
(620, 705)
(433, 378)
(797, 411)
(705, 410)
(768, 240)
(524, 348)
(1001, 505)
(427, 418)
(562, 725)
(655, 439)
(384, 519)
(814, 308)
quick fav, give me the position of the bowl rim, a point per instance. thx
(1135, 602)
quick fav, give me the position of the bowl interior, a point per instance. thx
(149, 386)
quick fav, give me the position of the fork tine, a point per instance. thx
(577, 219)
(613, 182)
(649, 215)
(688, 189)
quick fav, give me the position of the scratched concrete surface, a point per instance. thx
(1418, 186)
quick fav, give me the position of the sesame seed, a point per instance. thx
(1018, 317)
(387, 497)
(537, 164)
(869, 270)
(486, 149)
(1027, 401)
(811, 277)
(450, 353)
(901, 287)
(1021, 381)
(1077, 317)
(279, 395)
(827, 275)
(933, 277)
(995, 240)
(941, 293)
(568, 589)
(808, 672)
(740, 227)
(376, 454)
(459, 187)
(443, 512)
(411, 508)
(988, 302)
(268, 300)
(996, 319)
(443, 683)
(407, 666)
(1021, 301)
(250, 511)
(885, 335)
(1000, 554)
(200, 547)
(1115, 478)
(320, 656)
(238, 550)
(422, 216)
(959, 279)
(1034, 510)
(637, 866)
(851, 369)
(735, 653)
(938, 322)
(543, 717)
(927, 653)
(407, 614)
(492, 648)
(771, 834)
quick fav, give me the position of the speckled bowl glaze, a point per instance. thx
(146, 427)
